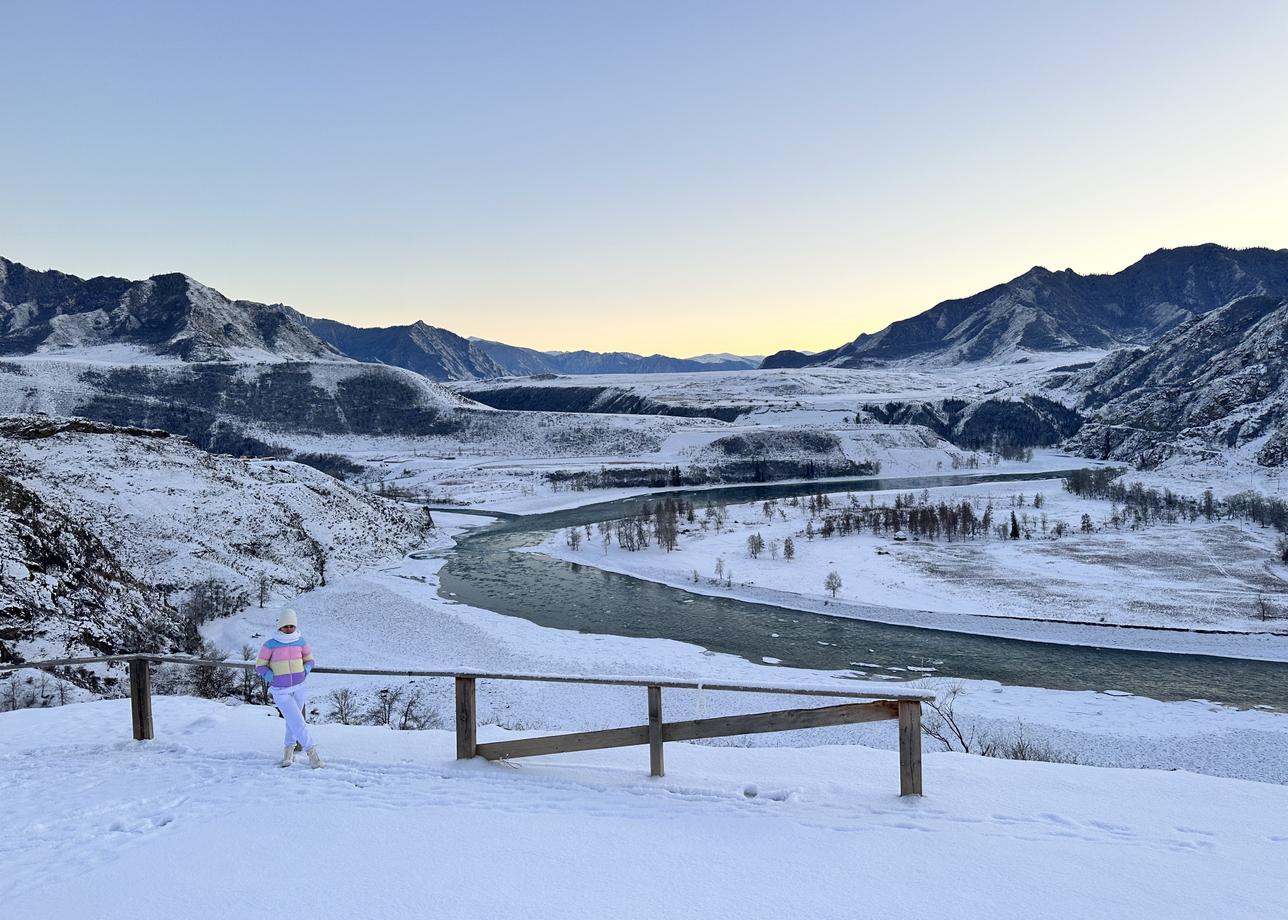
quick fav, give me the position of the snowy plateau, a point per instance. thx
(1063, 516)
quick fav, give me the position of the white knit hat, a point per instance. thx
(287, 618)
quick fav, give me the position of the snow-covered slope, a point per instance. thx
(1216, 384)
(63, 588)
(214, 403)
(436, 353)
(188, 825)
(51, 312)
(137, 518)
(1042, 310)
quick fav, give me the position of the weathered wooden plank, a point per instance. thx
(656, 765)
(720, 727)
(909, 748)
(564, 744)
(885, 692)
(67, 662)
(141, 699)
(466, 718)
(779, 721)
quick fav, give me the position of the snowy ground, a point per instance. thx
(200, 824)
(395, 827)
(818, 395)
(1202, 577)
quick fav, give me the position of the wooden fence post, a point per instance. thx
(141, 698)
(466, 720)
(910, 747)
(655, 762)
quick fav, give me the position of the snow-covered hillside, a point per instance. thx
(173, 515)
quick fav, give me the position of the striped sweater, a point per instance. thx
(285, 664)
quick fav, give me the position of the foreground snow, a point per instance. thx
(199, 823)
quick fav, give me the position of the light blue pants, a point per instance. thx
(291, 702)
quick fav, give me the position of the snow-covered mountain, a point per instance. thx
(518, 361)
(1216, 383)
(50, 312)
(427, 350)
(106, 528)
(1042, 310)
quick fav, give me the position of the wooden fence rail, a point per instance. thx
(901, 703)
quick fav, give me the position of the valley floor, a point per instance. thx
(1190, 587)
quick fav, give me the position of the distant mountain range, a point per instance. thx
(1198, 362)
(174, 315)
(1043, 311)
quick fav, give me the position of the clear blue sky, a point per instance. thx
(677, 177)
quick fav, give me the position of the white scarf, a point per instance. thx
(287, 640)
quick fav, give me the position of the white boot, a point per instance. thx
(288, 756)
(315, 760)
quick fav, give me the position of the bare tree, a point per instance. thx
(832, 582)
(1263, 609)
(249, 679)
(386, 704)
(344, 706)
(212, 681)
(411, 716)
(574, 538)
(265, 585)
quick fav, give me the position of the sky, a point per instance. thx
(681, 178)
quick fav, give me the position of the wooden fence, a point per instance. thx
(896, 702)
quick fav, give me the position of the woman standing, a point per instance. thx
(285, 662)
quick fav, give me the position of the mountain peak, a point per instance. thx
(1042, 310)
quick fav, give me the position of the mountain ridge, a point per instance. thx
(1044, 310)
(174, 315)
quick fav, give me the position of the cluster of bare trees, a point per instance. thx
(658, 523)
(399, 708)
(927, 520)
(956, 732)
(1144, 506)
(33, 691)
(212, 599)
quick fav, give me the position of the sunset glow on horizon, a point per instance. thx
(675, 178)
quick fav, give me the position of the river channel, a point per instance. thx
(485, 571)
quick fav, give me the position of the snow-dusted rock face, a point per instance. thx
(62, 590)
(216, 403)
(1216, 383)
(599, 399)
(173, 516)
(435, 353)
(1000, 424)
(1043, 310)
(50, 312)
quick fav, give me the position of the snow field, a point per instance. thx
(200, 823)
(1200, 576)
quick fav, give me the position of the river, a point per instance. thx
(484, 571)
